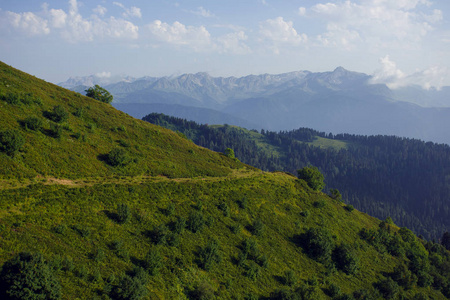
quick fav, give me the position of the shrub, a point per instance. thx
(243, 203)
(236, 229)
(60, 229)
(225, 208)
(28, 276)
(313, 177)
(253, 271)
(305, 213)
(320, 203)
(258, 227)
(289, 278)
(67, 264)
(123, 213)
(196, 221)
(98, 93)
(78, 112)
(388, 288)
(11, 141)
(153, 261)
(229, 153)
(130, 287)
(55, 130)
(170, 209)
(210, 255)
(32, 123)
(160, 234)
(84, 231)
(349, 207)
(117, 157)
(180, 225)
(318, 243)
(333, 290)
(335, 194)
(346, 259)
(59, 114)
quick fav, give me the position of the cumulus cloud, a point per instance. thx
(394, 78)
(129, 12)
(100, 10)
(71, 25)
(279, 31)
(233, 43)
(375, 22)
(103, 74)
(302, 11)
(197, 38)
(27, 23)
(202, 12)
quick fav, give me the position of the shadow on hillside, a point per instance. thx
(111, 215)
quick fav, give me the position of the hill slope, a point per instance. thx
(215, 229)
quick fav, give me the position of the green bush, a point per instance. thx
(123, 213)
(180, 225)
(131, 287)
(28, 276)
(253, 271)
(55, 130)
(313, 177)
(98, 93)
(117, 157)
(349, 207)
(335, 194)
(196, 221)
(59, 114)
(11, 141)
(32, 123)
(346, 259)
(258, 227)
(210, 255)
(153, 261)
(318, 244)
(289, 278)
(388, 288)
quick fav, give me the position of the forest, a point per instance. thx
(384, 176)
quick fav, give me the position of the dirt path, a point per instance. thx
(6, 184)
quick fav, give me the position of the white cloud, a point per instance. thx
(103, 74)
(58, 18)
(302, 11)
(375, 23)
(27, 22)
(129, 12)
(100, 10)
(197, 38)
(233, 43)
(202, 12)
(393, 77)
(279, 32)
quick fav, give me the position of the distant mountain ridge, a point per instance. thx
(340, 101)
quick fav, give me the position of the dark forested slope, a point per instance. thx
(406, 179)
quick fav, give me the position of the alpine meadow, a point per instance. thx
(95, 204)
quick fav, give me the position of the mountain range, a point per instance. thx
(337, 102)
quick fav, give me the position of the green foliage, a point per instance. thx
(118, 157)
(346, 259)
(32, 123)
(11, 141)
(196, 221)
(180, 225)
(335, 194)
(59, 114)
(153, 261)
(28, 276)
(258, 227)
(229, 153)
(290, 278)
(349, 207)
(313, 177)
(318, 243)
(388, 288)
(98, 93)
(210, 255)
(123, 213)
(131, 287)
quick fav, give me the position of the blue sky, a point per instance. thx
(400, 42)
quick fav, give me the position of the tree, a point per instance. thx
(319, 244)
(229, 153)
(445, 241)
(117, 157)
(11, 141)
(313, 177)
(98, 93)
(28, 276)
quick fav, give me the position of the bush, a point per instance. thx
(117, 157)
(28, 276)
(55, 130)
(313, 177)
(180, 225)
(229, 153)
(258, 227)
(318, 243)
(58, 115)
(335, 194)
(349, 207)
(253, 271)
(32, 123)
(131, 287)
(210, 255)
(388, 288)
(11, 141)
(123, 213)
(346, 259)
(98, 93)
(196, 221)
(289, 278)
(153, 261)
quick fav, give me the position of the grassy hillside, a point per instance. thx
(76, 226)
(77, 146)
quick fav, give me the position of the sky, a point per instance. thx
(399, 42)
